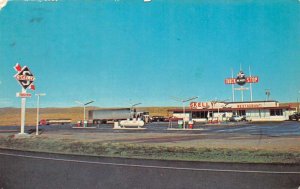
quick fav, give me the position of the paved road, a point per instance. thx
(41, 170)
(287, 128)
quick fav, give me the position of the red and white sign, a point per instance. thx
(206, 105)
(230, 81)
(249, 105)
(252, 79)
(24, 77)
(23, 95)
(200, 105)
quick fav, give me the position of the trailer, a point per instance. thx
(103, 116)
(55, 121)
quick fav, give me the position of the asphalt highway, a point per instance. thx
(287, 128)
(42, 170)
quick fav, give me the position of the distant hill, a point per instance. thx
(291, 104)
(12, 116)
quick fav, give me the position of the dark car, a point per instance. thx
(295, 116)
(157, 118)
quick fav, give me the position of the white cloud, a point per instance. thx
(2, 3)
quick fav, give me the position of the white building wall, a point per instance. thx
(186, 116)
(264, 115)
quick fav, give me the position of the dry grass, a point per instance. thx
(148, 151)
(12, 116)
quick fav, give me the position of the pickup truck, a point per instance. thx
(295, 116)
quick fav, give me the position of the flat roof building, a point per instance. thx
(222, 111)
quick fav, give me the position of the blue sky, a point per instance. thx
(119, 52)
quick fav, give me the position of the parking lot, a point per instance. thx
(287, 128)
(276, 137)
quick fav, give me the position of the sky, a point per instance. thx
(122, 52)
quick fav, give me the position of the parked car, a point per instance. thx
(295, 116)
(157, 118)
(237, 118)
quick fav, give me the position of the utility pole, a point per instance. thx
(38, 111)
(297, 105)
(183, 101)
(268, 93)
(131, 109)
(232, 86)
(84, 105)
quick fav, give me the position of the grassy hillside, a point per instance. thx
(12, 116)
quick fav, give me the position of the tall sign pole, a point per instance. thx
(25, 79)
(232, 86)
(84, 104)
(241, 80)
(183, 107)
(23, 111)
(38, 112)
(251, 99)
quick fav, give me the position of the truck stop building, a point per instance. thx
(218, 111)
(222, 111)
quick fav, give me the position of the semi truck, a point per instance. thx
(55, 121)
(103, 116)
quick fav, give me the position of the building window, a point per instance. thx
(276, 112)
(199, 115)
(241, 112)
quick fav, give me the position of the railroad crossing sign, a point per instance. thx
(24, 77)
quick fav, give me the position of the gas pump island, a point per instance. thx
(25, 78)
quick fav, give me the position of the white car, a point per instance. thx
(237, 118)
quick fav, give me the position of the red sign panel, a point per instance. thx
(197, 105)
(230, 81)
(23, 95)
(252, 79)
(24, 77)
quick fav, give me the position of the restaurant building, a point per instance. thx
(217, 111)
(222, 111)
